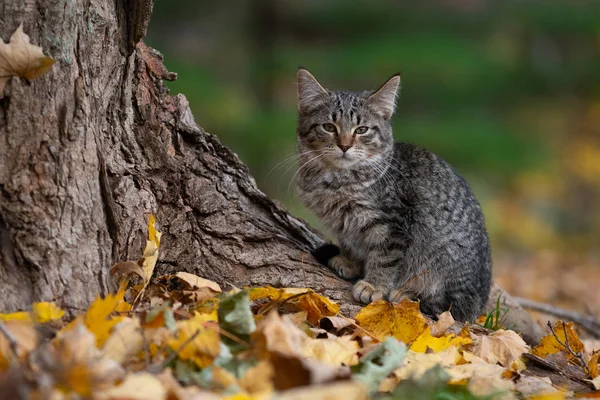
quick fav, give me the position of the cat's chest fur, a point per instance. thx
(348, 210)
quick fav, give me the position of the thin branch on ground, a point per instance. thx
(578, 356)
(587, 322)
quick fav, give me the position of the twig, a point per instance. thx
(567, 346)
(587, 322)
(157, 368)
(11, 339)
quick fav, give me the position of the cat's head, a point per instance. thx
(345, 130)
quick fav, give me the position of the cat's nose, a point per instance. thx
(344, 147)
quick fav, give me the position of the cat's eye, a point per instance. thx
(330, 128)
(361, 129)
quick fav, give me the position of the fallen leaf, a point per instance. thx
(593, 363)
(75, 364)
(316, 305)
(26, 339)
(236, 318)
(427, 341)
(196, 282)
(403, 321)
(444, 322)
(500, 346)
(99, 317)
(141, 386)
(334, 324)
(536, 386)
(549, 344)
(19, 57)
(125, 341)
(415, 365)
(258, 381)
(333, 391)
(333, 351)
(375, 366)
(197, 340)
(150, 255)
(42, 313)
(277, 333)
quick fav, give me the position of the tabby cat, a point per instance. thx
(408, 226)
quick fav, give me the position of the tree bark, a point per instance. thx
(90, 149)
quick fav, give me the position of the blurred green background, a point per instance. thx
(507, 91)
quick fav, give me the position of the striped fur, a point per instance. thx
(406, 222)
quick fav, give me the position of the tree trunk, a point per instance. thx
(91, 148)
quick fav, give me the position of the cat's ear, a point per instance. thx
(383, 100)
(310, 92)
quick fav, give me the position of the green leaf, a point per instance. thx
(235, 317)
(433, 385)
(379, 363)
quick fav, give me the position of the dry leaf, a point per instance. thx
(416, 364)
(501, 346)
(150, 255)
(549, 344)
(334, 324)
(403, 321)
(334, 391)
(427, 341)
(258, 381)
(142, 386)
(26, 339)
(277, 333)
(75, 364)
(535, 385)
(19, 57)
(195, 282)
(444, 322)
(125, 341)
(316, 305)
(333, 351)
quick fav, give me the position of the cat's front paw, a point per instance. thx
(366, 292)
(397, 295)
(344, 268)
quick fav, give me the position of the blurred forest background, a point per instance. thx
(507, 91)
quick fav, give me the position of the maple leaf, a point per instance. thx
(427, 341)
(403, 321)
(42, 312)
(503, 347)
(19, 57)
(316, 305)
(549, 345)
(197, 340)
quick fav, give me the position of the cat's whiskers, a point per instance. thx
(323, 154)
(289, 159)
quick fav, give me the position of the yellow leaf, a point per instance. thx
(197, 340)
(258, 381)
(98, 317)
(334, 351)
(196, 282)
(501, 346)
(593, 363)
(416, 364)
(46, 312)
(403, 321)
(151, 251)
(558, 395)
(316, 305)
(42, 312)
(77, 365)
(21, 58)
(427, 341)
(549, 344)
(142, 386)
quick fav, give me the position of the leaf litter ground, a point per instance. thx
(182, 337)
